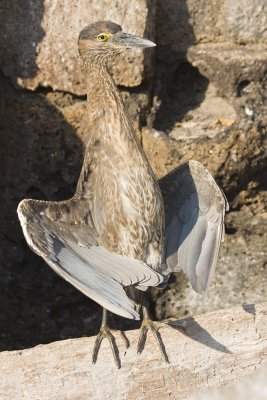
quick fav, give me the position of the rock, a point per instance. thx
(226, 42)
(39, 41)
(193, 107)
(206, 352)
(242, 13)
(181, 24)
(238, 72)
(233, 157)
(250, 387)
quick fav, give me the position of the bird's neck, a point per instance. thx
(102, 92)
(104, 99)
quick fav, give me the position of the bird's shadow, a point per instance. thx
(249, 308)
(192, 329)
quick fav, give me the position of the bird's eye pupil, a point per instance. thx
(103, 37)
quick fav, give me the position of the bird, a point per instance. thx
(124, 231)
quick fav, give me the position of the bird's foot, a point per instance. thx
(105, 332)
(148, 324)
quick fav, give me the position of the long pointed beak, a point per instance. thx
(125, 40)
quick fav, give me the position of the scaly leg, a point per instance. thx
(154, 326)
(105, 332)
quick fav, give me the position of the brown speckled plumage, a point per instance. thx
(116, 176)
(111, 234)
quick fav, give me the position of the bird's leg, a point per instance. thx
(154, 326)
(105, 332)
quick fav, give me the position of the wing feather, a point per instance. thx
(194, 215)
(96, 272)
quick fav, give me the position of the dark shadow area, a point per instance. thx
(250, 192)
(249, 308)
(185, 92)
(230, 230)
(174, 32)
(179, 87)
(21, 32)
(41, 159)
(190, 328)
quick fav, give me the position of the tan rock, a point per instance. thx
(205, 352)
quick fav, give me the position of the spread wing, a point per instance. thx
(70, 248)
(194, 212)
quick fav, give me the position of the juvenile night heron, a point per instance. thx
(122, 229)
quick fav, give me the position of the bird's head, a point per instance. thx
(103, 39)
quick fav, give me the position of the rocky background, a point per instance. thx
(200, 95)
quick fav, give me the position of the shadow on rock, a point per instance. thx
(249, 308)
(191, 328)
(184, 93)
(179, 87)
(21, 25)
(41, 159)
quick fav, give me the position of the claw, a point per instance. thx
(105, 332)
(147, 324)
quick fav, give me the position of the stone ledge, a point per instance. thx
(205, 352)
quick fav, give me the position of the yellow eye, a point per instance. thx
(103, 36)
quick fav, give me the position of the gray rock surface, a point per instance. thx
(181, 24)
(250, 387)
(245, 13)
